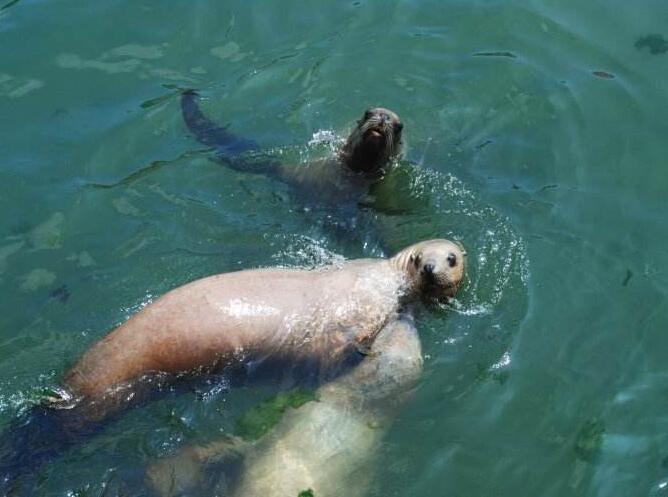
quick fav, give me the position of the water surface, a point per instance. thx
(535, 135)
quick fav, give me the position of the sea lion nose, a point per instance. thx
(428, 269)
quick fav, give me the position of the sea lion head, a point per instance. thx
(434, 268)
(374, 142)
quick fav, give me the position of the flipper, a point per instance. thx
(59, 422)
(35, 438)
(236, 152)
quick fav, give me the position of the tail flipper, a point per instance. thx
(35, 438)
(238, 153)
(208, 132)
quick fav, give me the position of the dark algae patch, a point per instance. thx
(306, 493)
(263, 417)
(656, 44)
(603, 75)
(509, 55)
(589, 440)
(627, 277)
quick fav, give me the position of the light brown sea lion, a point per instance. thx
(325, 446)
(318, 317)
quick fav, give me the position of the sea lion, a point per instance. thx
(324, 446)
(319, 321)
(367, 154)
(317, 318)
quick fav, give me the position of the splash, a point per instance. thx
(17, 402)
(497, 262)
(322, 141)
(306, 252)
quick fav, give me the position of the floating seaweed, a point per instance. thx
(262, 418)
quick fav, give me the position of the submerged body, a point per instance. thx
(324, 445)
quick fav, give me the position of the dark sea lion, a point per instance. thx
(368, 150)
(338, 183)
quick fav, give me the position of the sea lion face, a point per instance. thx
(374, 142)
(436, 268)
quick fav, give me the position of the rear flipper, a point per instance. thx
(60, 422)
(238, 153)
(34, 439)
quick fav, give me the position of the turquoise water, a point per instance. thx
(535, 135)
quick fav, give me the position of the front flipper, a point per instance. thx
(238, 153)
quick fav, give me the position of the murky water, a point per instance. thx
(535, 135)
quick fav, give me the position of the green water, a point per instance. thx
(536, 135)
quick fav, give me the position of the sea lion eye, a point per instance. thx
(452, 260)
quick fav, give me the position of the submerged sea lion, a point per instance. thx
(368, 152)
(324, 446)
(316, 318)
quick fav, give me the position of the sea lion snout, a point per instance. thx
(434, 280)
(381, 121)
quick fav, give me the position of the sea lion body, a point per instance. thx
(324, 445)
(318, 316)
(245, 315)
(325, 182)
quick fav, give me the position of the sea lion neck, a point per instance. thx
(401, 263)
(362, 161)
(400, 260)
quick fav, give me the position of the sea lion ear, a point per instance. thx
(367, 115)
